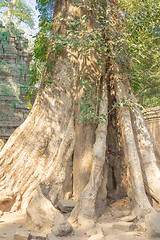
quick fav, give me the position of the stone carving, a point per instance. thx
(14, 65)
(152, 118)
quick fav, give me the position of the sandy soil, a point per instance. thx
(10, 222)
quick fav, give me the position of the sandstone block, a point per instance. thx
(50, 236)
(61, 227)
(152, 222)
(97, 237)
(106, 227)
(128, 218)
(21, 235)
(117, 214)
(126, 212)
(36, 237)
(66, 205)
(124, 226)
(94, 231)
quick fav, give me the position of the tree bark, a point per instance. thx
(85, 208)
(53, 153)
(140, 200)
(49, 154)
(151, 172)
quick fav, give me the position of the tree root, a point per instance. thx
(84, 211)
(42, 214)
(140, 200)
(151, 172)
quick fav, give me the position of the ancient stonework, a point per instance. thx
(152, 118)
(14, 64)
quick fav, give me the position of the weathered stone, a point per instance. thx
(124, 226)
(32, 237)
(13, 71)
(97, 237)
(66, 205)
(94, 231)
(117, 214)
(128, 218)
(126, 212)
(152, 222)
(106, 227)
(152, 119)
(21, 235)
(35, 236)
(50, 236)
(61, 227)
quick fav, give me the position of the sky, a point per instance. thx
(32, 4)
(29, 33)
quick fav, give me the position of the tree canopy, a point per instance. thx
(140, 33)
(17, 10)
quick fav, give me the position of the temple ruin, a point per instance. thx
(14, 65)
(152, 118)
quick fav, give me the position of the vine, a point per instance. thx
(77, 37)
(110, 36)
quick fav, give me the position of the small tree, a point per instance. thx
(17, 9)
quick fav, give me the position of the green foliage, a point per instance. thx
(35, 76)
(39, 59)
(21, 11)
(90, 103)
(77, 37)
(41, 45)
(45, 7)
(40, 49)
(131, 30)
(142, 34)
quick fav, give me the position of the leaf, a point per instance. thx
(73, 27)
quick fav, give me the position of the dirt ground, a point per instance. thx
(11, 222)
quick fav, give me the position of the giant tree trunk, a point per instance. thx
(53, 153)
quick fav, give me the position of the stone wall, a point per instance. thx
(152, 118)
(14, 65)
